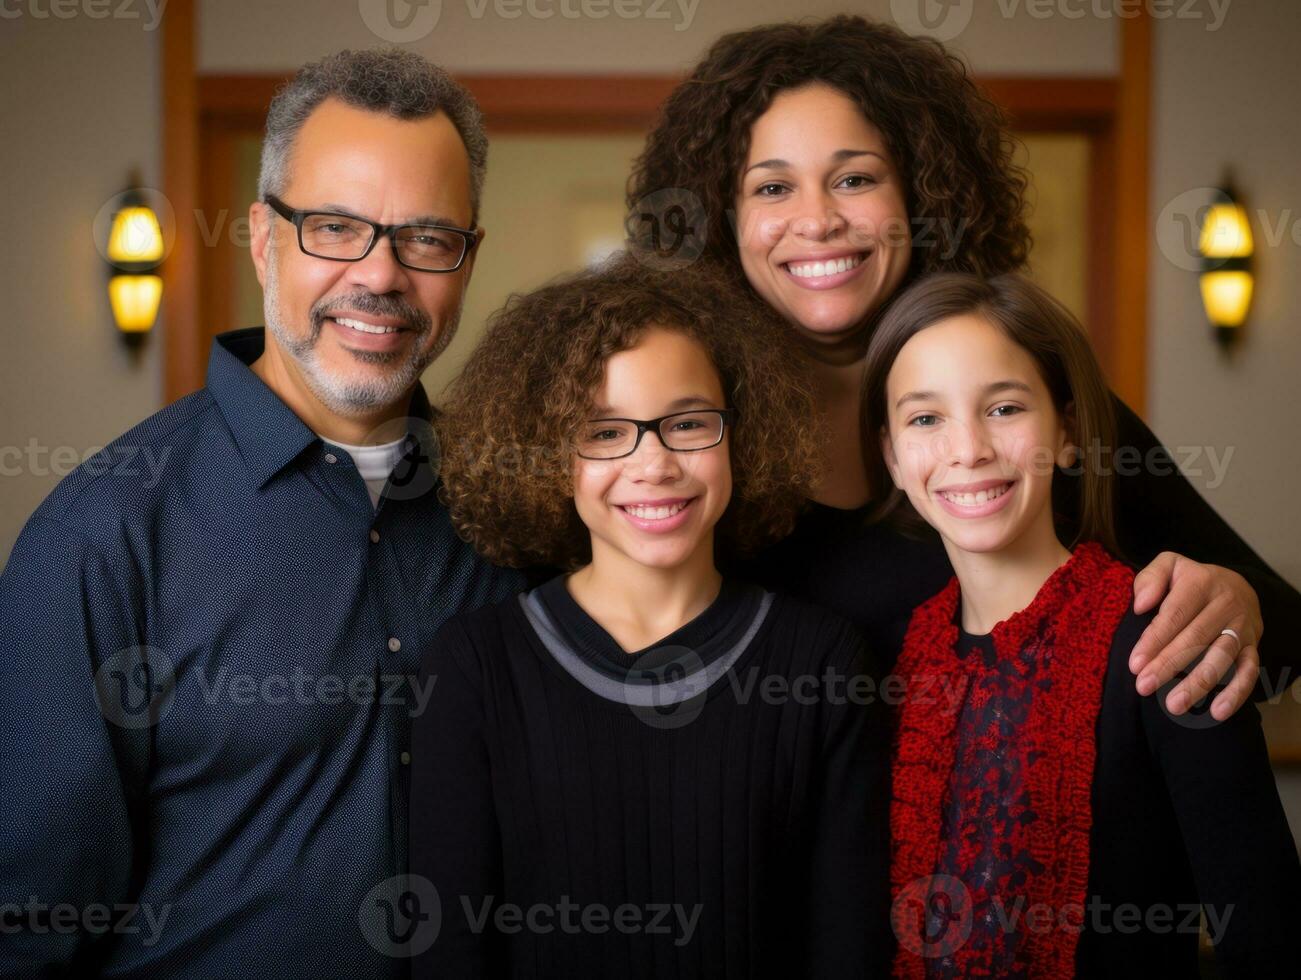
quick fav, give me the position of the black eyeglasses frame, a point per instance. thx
(728, 417)
(297, 216)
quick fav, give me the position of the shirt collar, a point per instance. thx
(269, 435)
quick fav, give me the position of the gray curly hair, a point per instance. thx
(400, 83)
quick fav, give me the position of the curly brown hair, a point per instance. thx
(510, 418)
(965, 196)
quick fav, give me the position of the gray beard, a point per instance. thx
(356, 396)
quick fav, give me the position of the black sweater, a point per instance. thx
(1185, 811)
(875, 575)
(752, 817)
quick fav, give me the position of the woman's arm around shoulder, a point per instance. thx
(1200, 573)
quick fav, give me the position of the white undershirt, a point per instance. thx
(374, 463)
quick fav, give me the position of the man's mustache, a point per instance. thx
(383, 304)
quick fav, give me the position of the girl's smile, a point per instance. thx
(973, 437)
(976, 499)
(658, 516)
(656, 507)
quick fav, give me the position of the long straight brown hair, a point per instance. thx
(1046, 330)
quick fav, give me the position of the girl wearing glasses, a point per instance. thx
(641, 767)
(1032, 804)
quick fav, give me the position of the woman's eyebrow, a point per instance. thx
(776, 163)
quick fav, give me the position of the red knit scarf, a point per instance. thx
(1072, 620)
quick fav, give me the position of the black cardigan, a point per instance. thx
(768, 813)
(875, 575)
(1185, 811)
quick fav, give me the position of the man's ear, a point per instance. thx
(474, 252)
(261, 221)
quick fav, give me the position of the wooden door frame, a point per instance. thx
(1113, 112)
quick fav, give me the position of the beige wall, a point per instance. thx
(558, 204)
(651, 36)
(1228, 98)
(80, 110)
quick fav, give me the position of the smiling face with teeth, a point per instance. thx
(348, 340)
(973, 436)
(822, 221)
(656, 508)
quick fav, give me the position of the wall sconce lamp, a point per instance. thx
(1226, 278)
(135, 250)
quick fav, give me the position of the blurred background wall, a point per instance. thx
(84, 107)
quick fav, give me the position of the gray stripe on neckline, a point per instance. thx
(631, 693)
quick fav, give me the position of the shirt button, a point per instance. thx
(331, 458)
(394, 644)
(406, 758)
(374, 536)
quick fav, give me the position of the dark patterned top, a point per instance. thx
(989, 800)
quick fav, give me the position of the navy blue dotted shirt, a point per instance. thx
(208, 646)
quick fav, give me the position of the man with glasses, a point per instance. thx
(207, 680)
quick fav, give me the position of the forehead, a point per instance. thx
(960, 354)
(808, 119)
(377, 163)
(663, 366)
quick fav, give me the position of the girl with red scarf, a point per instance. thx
(1033, 787)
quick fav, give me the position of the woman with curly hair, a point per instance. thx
(659, 769)
(827, 165)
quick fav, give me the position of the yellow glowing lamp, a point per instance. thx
(135, 236)
(135, 302)
(135, 249)
(1226, 279)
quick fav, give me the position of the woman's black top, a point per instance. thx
(715, 806)
(1186, 814)
(875, 575)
